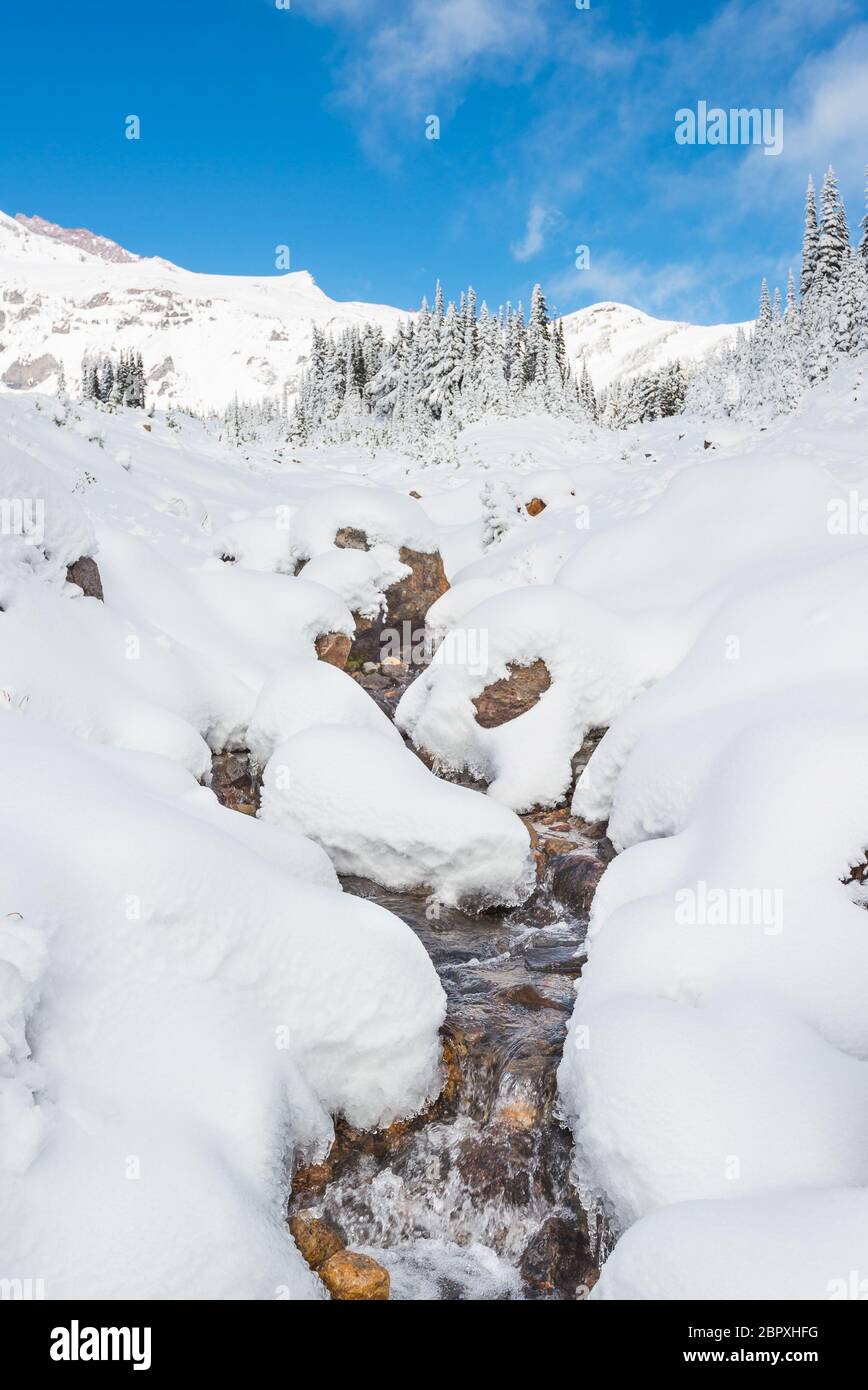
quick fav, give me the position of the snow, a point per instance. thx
(304, 694)
(593, 662)
(196, 1011)
(380, 813)
(186, 993)
(617, 341)
(203, 338)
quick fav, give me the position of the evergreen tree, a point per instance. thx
(833, 247)
(810, 241)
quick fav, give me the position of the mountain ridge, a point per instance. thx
(206, 338)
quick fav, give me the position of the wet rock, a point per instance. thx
(551, 846)
(234, 782)
(333, 648)
(528, 997)
(573, 879)
(355, 1278)
(514, 695)
(581, 759)
(535, 506)
(312, 1177)
(556, 960)
(85, 573)
(495, 1165)
(606, 850)
(316, 1240)
(558, 1259)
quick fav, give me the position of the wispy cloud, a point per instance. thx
(538, 220)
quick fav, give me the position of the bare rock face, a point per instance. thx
(85, 573)
(354, 1278)
(516, 694)
(23, 376)
(410, 599)
(535, 506)
(333, 648)
(407, 601)
(316, 1240)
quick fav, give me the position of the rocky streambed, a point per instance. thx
(472, 1199)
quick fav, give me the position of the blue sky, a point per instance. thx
(306, 126)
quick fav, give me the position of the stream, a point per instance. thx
(474, 1199)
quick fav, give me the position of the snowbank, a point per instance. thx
(195, 1013)
(380, 813)
(594, 660)
(304, 694)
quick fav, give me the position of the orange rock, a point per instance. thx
(535, 506)
(333, 648)
(316, 1240)
(355, 1278)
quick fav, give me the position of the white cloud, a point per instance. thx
(538, 219)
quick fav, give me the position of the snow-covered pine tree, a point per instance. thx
(810, 241)
(833, 247)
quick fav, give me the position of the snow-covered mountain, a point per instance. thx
(203, 337)
(619, 341)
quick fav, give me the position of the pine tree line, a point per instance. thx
(795, 343)
(450, 365)
(110, 383)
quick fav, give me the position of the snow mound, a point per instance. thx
(180, 1015)
(594, 660)
(383, 515)
(379, 813)
(304, 694)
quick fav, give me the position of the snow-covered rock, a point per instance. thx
(380, 813)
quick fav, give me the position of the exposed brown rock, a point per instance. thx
(409, 599)
(313, 1177)
(535, 506)
(574, 879)
(549, 847)
(558, 1259)
(333, 648)
(355, 1278)
(514, 695)
(351, 538)
(234, 782)
(85, 573)
(417, 495)
(316, 1240)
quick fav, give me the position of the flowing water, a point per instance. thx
(474, 1200)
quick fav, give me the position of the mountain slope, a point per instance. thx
(64, 292)
(619, 341)
(203, 337)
